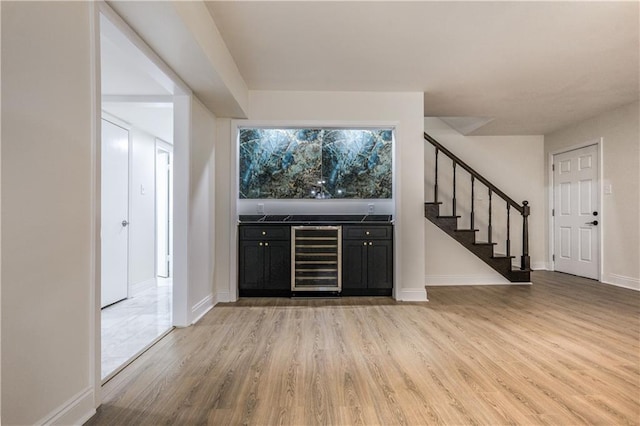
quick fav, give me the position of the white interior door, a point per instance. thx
(576, 215)
(115, 213)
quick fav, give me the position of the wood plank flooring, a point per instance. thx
(565, 350)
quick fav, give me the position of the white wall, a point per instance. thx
(512, 163)
(142, 232)
(202, 218)
(403, 109)
(47, 148)
(620, 131)
(0, 218)
(225, 222)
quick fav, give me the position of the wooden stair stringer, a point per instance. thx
(467, 238)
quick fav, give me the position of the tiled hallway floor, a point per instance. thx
(131, 325)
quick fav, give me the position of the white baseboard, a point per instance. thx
(535, 266)
(412, 295)
(622, 281)
(76, 411)
(449, 280)
(205, 305)
(223, 297)
(540, 266)
(142, 286)
(202, 307)
(446, 280)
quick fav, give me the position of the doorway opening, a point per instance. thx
(139, 108)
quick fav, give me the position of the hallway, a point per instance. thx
(132, 325)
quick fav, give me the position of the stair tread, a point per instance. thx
(480, 243)
(433, 202)
(467, 230)
(503, 257)
(447, 217)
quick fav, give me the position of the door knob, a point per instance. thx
(125, 222)
(595, 222)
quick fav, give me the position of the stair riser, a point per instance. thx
(449, 225)
(483, 251)
(465, 237)
(431, 210)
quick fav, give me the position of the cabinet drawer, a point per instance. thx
(264, 232)
(367, 232)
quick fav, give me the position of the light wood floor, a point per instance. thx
(563, 351)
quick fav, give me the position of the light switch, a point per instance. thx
(607, 188)
(371, 208)
(142, 190)
(260, 208)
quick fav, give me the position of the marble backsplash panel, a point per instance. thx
(316, 163)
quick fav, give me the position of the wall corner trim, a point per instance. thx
(202, 307)
(412, 295)
(75, 411)
(223, 297)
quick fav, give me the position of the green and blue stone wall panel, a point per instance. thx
(357, 163)
(279, 163)
(314, 163)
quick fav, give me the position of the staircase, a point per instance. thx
(485, 250)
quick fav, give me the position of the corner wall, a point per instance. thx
(202, 295)
(512, 163)
(620, 131)
(405, 109)
(48, 112)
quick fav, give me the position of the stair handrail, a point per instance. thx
(523, 209)
(472, 172)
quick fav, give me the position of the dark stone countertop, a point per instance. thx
(326, 219)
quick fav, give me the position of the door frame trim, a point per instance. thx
(599, 142)
(181, 98)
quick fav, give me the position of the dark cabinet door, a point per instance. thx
(367, 260)
(251, 265)
(354, 264)
(264, 263)
(380, 264)
(277, 255)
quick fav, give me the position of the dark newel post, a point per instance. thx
(473, 179)
(525, 263)
(454, 190)
(435, 187)
(508, 230)
(489, 230)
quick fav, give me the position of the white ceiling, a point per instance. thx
(525, 67)
(132, 90)
(121, 76)
(155, 118)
